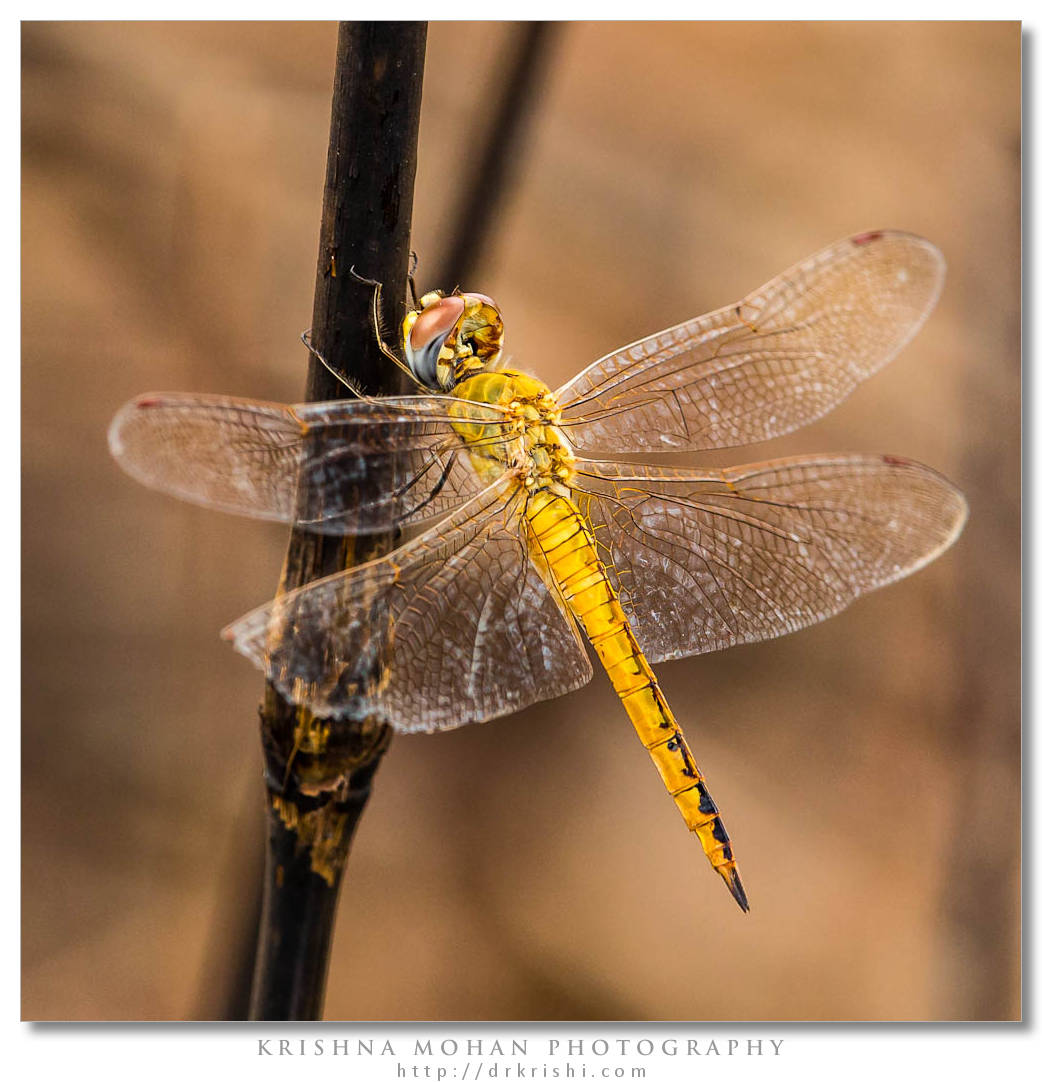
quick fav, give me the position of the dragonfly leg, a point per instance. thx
(385, 349)
(414, 262)
(353, 387)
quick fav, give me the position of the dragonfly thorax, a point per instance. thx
(452, 337)
(530, 439)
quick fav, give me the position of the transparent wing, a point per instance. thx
(455, 627)
(334, 467)
(781, 358)
(705, 560)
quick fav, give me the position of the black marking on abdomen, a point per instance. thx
(706, 804)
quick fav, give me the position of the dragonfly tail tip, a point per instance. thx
(735, 886)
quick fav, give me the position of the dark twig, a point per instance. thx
(484, 190)
(319, 775)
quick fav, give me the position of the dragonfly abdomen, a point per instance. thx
(564, 540)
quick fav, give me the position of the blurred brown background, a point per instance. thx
(171, 197)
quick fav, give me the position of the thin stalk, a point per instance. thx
(488, 175)
(319, 775)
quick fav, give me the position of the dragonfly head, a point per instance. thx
(452, 337)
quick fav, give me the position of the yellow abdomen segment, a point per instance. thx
(561, 537)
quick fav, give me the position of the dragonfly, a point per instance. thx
(529, 541)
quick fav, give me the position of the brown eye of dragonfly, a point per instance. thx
(435, 322)
(432, 327)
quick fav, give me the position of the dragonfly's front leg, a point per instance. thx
(347, 381)
(377, 317)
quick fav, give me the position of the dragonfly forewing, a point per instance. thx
(781, 358)
(332, 467)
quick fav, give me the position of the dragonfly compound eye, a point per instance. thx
(481, 335)
(433, 330)
(452, 338)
